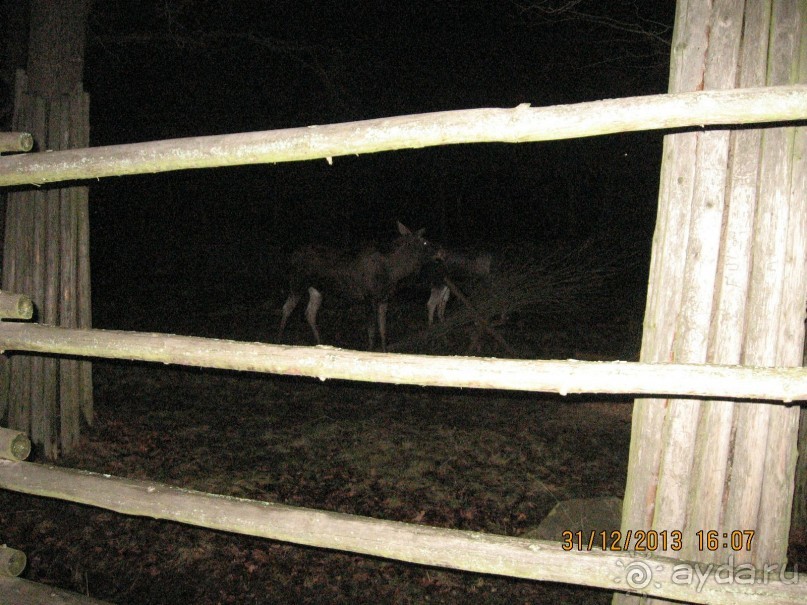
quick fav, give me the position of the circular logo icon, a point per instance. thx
(638, 575)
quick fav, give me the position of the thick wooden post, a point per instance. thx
(46, 249)
(727, 285)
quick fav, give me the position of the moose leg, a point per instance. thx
(371, 323)
(438, 300)
(441, 308)
(288, 309)
(314, 302)
(382, 324)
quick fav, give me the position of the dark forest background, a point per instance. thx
(179, 68)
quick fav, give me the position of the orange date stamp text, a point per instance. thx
(652, 540)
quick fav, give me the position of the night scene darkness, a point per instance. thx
(176, 69)
(551, 242)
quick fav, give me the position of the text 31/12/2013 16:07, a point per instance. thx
(652, 540)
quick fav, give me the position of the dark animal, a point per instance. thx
(370, 276)
(457, 266)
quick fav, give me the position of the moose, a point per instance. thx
(455, 266)
(369, 276)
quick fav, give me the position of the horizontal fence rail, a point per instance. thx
(25, 592)
(563, 377)
(16, 141)
(451, 548)
(490, 125)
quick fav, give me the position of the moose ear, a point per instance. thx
(402, 229)
(420, 232)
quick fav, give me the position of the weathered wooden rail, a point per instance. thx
(454, 549)
(324, 362)
(521, 124)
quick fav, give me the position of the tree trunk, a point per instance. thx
(46, 248)
(727, 285)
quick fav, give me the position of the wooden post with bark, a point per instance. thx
(46, 248)
(727, 285)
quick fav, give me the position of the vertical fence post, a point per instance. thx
(727, 276)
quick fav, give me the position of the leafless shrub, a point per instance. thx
(532, 286)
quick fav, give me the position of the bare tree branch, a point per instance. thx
(633, 22)
(178, 30)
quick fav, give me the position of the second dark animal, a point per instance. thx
(457, 266)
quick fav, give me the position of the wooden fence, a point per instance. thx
(518, 557)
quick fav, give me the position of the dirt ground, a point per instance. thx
(466, 459)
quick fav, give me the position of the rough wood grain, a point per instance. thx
(517, 125)
(25, 592)
(563, 377)
(16, 141)
(730, 202)
(15, 306)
